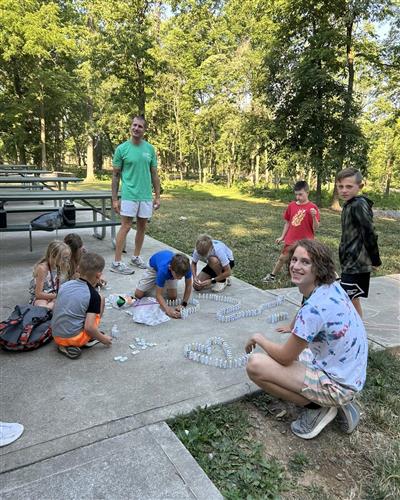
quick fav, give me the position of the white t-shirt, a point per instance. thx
(335, 334)
(219, 250)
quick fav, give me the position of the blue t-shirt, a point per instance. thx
(160, 262)
(335, 334)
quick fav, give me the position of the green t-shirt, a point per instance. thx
(135, 161)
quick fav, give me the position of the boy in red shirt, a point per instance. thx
(301, 222)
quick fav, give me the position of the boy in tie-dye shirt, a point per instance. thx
(323, 363)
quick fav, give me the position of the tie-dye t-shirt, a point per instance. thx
(335, 334)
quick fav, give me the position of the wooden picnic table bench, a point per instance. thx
(34, 182)
(87, 198)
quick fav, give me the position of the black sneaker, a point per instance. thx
(311, 422)
(71, 352)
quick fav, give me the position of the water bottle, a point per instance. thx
(115, 332)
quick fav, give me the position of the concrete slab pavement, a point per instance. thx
(148, 463)
(67, 406)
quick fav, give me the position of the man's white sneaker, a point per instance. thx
(9, 432)
(138, 262)
(121, 268)
(219, 287)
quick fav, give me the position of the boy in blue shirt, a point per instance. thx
(165, 269)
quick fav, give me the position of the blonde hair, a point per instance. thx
(203, 245)
(54, 257)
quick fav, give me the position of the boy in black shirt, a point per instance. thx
(358, 250)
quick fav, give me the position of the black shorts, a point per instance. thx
(207, 269)
(355, 285)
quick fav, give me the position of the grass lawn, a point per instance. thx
(246, 447)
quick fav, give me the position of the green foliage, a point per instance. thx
(381, 392)
(234, 90)
(385, 483)
(298, 463)
(220, 440)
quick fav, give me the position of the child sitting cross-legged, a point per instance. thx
(219, 257)
(78, 309)
(164, 271)
(48, 273)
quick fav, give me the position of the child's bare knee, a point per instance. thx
(256, 365)
(139, 294)
(213, 261)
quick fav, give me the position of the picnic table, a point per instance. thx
(86, 198)
(34, 182)
(17, 167)
(22, 171)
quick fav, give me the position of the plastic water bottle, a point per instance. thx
(115, 332)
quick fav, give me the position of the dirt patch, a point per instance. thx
(333, 465)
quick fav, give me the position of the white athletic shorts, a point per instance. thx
(142, 209)
(149, 281)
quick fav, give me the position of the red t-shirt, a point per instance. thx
(300, 222)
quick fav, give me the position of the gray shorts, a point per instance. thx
(142, 209)
(148, 282)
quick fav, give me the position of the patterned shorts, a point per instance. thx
(318, 387)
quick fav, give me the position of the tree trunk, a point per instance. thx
(389, 171)
(257, 170)
(89, 159)
(347, 106)
(199, 164)
(43, 133)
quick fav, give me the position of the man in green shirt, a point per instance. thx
(135, 163)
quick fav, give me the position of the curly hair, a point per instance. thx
(321, 259)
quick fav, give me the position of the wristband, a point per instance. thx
(213, 281)
(184, 303)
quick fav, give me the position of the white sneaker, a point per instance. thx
(138, 262)
(121, 268)
(9, 432)
(270, 278)
(219, 287)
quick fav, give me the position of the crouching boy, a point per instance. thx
(78, 309)
(165, 269)
(325, 378)
(219, 257)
